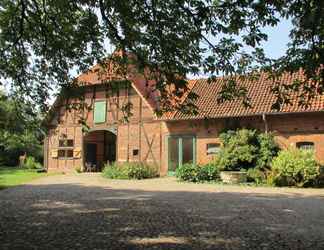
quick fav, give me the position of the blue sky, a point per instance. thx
(278, 37)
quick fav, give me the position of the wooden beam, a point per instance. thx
(140, 130)
(150, 144)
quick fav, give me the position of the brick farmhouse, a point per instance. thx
(174, 138)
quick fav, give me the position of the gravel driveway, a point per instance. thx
(86, 211)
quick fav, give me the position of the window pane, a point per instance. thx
(100, 112)
(61, 153)
(66, 143)
(69, 153)
(173, 153)
(187, 145)
(62, 143)
(213, 148)
(70, 143)
(305, 145)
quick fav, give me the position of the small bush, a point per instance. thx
(320, 178)
(196, 173)
(294, 167)
(114, 172)
(31, 163)
(208, 172)
(246, 148)
(239, 150)
(78, 169)
(130, 171)
(188, 172)
(256, 175)
(268, 149)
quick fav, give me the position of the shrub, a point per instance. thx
(141, 171)
(256, 175)
(78, 169)
(239, 150)
(31, 163)
(188, 172)
(196, 173)
(244, 149)
(114, 172)
(208, 172)
(294, 167)
(268, 149)
(129, 171)
(320, 178)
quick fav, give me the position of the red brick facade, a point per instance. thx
(144, 138)
(289, 129)
(140, 139)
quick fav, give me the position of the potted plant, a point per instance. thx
(237, 154)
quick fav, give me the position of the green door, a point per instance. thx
(181, 150)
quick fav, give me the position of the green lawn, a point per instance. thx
(13, 176)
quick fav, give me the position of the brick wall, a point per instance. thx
(137, 140)
(145, 139)
(288, 130)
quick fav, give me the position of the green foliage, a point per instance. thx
(244, 149)
(42, 41)
(267, 150)
(208, 172)
(256, 175)
(294, 167)
(31, 163)
(129, 171)
(78, 169)
(12, 176)
(20, 131)
(196, 173)
(188, 172)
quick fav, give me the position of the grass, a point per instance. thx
(13, 176)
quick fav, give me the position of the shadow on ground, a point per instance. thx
(74, 216)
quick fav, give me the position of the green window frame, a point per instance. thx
(180, 150)
(100, 110)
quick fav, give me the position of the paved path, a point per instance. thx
(88, 212)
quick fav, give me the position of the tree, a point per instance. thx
(42, 40)
(19, 131)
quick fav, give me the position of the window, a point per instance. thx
(307, 145)
(61, 153)
(99, 112)
(213, 148)
(69, 153)
(65, 149)
(65, 153)
(135, 152)
(66, 143)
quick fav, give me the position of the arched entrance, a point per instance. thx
(99, 149)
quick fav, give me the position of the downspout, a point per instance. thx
(264, 118)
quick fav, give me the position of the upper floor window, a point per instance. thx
(305, 145)
(213, 148)
(99, 115)
(66, 143)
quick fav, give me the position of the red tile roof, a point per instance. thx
(110, 72)
(259, 92)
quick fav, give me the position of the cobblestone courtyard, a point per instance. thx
(86, 211)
